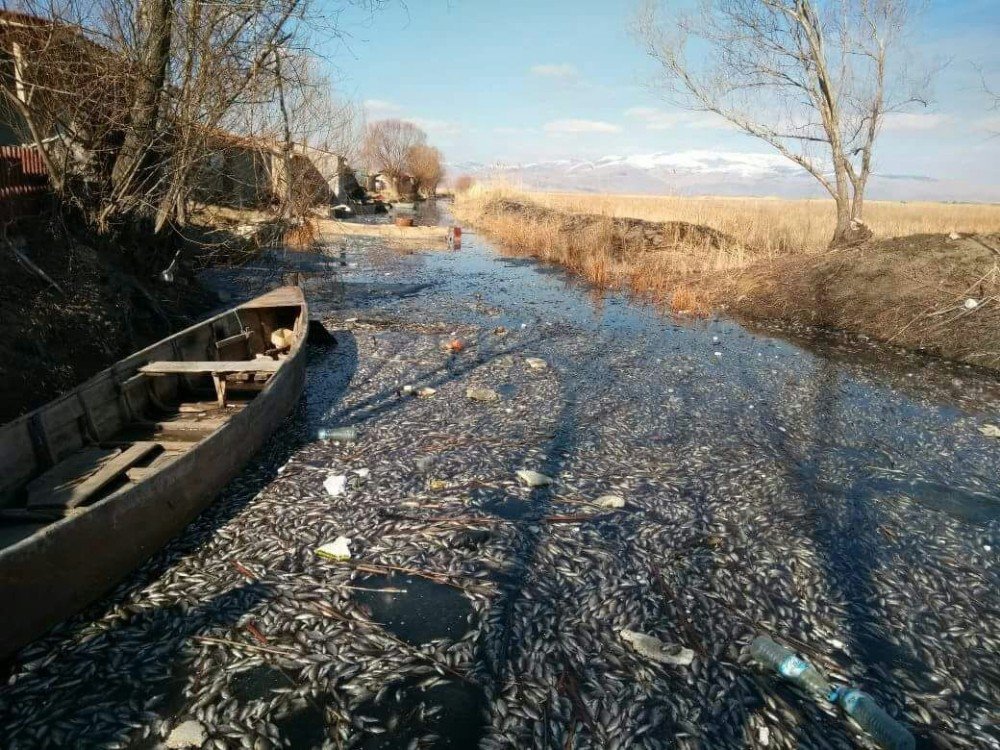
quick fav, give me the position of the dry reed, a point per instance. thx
(768, 259)
(781, 226)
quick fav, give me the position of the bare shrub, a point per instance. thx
(424, 164)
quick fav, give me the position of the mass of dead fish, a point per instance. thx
(754, 492)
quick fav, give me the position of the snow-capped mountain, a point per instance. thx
(702, 172)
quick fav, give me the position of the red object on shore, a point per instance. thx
(455, 345)
(456, 237)
(404, 221)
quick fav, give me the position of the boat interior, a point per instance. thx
(135, 418)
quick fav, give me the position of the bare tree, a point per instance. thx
(127, 99)
(463, 183)
(387, 147)
(812, 78)
(425, 165)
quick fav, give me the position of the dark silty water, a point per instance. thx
(835, 494)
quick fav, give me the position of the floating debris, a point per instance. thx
(477, 393)
(657, 650)
(990, 430)
(536, 363)
(187, 734)
(533, 478)
(338, 434)
(426, 392)
(338, 549)
(610, 501)
(336, 484)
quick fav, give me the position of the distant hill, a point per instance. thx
(700, 172)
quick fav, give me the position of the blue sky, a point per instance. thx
(524, 80)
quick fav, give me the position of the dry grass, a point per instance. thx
(768, 259)
(781, 226)
(666, 261)
(301, 235)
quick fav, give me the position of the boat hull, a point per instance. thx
(71, 563)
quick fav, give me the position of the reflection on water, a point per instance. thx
(414, 609)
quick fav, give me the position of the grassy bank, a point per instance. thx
(766, 259)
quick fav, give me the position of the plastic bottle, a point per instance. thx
(788, 664)
(341, 434)
(885, 730)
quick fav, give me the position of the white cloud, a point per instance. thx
(580, 126)
(990, 124)
(561, 71)
(660, 119)
(381, 106)
(437, 127)
(914, 121)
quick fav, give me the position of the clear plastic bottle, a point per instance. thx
(340, 434)
(885, 730)
(790, 665)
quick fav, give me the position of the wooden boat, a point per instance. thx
(94, 482)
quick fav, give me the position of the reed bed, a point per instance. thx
(780, 226)
(668, 261)
(916, 283)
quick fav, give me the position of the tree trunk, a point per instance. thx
(842, 231)
(850, 230)
(141, 130)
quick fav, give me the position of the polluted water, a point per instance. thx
(829, 493)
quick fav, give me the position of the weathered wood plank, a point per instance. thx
(190, 368)
(286, 296)
(73, 494)
(138, 473)
(237, 338)
(69, 472)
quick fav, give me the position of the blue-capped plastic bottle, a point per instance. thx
(885, 730)
(787, 663)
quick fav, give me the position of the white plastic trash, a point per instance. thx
(338, 549)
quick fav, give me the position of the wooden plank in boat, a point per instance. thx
(138, 473)
(204, 424)
(73, 494)
(177, 446)
(286, 296)
(69, 472)
(192, 368)
(236, 338)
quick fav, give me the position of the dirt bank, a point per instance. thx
(938, 293)
(928, 292)
(100, 303)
